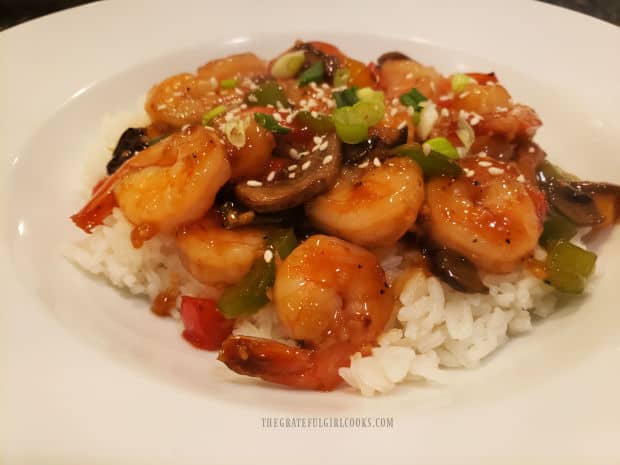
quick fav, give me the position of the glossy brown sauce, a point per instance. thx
(165, 301)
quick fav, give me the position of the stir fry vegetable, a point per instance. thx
(432, 164)
(205, 327)
(568, 266)
(250, 294)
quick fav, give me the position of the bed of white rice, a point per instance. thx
(434, 327)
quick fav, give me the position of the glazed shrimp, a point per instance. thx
(216, 256)
(488, 215)
(164, 186)
(331, 296)
(399, 76)
(251, 160)
(371, 207)
(184, 98)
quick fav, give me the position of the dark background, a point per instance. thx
(13, 12)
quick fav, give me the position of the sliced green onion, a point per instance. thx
(341, 77)
(568, 266)
(433, 164)
(413, 98)
(313, 74)
(351, 127)
(557, 227)
(319, 124)
(270, 123)
(346, 97)
(366, 94)
(460, 82)
(428, 118)
(465, 133)
(371, 112)
(268, 93)
(288, 65)
(235, 132)
(443, 146)
(228, 83)
(212, 113)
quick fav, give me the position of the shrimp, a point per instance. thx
(331, 296)
(251, 160)
(184, 98)
(371, 207)
(397, 77)
(488, 215)
(164, 186)
(499, 115)
(216, 256)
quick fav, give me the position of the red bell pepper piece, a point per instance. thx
(205, 327)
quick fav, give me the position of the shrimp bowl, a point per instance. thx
(321, 221)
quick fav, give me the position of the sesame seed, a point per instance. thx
(475, 120)
(268, 256)
(320, 94)
(317, 140)
(306, 165)
(277, 117)
(521, 178)
(314, 114)
(325, 86)
(426, 148)
(238, 91)
(410, 110)
(327, 159)
(303, 102)
(409, 76)
(394, 101)
(254, 183)
(269, 105)
(279, 105)
(252, 98)
(324, 145)
(464, 94)
(364, 164)
(271, 176)
(162, 106)
(393, 111)
(185, 127)
(177, 94)
(313, 84)
(482, 155)
(443, 98)
(292, 176)
(293, 153)
(243, 106)
(469, 173)
(213, 82)
(445, 112)
(402, 124)
(229, 116)
(376, 162)
(312, 103)
(292, 167)
(501, 109)
(485, 164)
(495, 170)
(303, 154)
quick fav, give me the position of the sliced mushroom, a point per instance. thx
(314, 55)
(389, 56)
(131, 141)
(605, 195)
(577, 205)
(319, 176)
(456, 271)
(377, 145)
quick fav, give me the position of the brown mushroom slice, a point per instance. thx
(606, 197)
(389, 56)
(319, 176)
(456, 271)
(575, 204)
